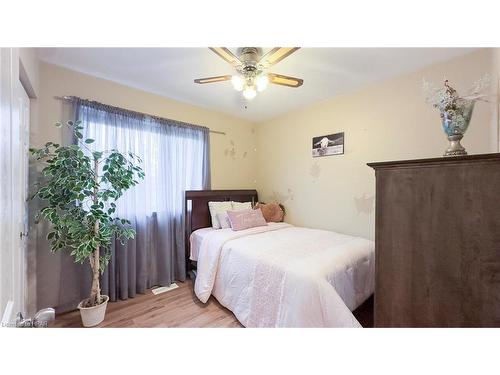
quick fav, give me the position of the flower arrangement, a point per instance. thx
(455, 110)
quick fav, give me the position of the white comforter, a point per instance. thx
(286, 276)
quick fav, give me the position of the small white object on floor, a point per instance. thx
(163, 289)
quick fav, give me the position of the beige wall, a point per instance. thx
(29, 62)
(233, 156)
(385, 121)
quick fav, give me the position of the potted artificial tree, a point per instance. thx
(80, 189)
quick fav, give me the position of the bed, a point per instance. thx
(279, 275)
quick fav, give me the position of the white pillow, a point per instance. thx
(223, 220)
(237, 206)
(217, 207)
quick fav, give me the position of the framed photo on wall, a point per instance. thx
(325, 145)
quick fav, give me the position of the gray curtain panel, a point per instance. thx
(54, 279)
(175, 158)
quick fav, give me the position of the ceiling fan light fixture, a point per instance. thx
(251, 67)
(249, 92)
(261, 82)
(237, 82)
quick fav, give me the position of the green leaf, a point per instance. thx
(89, 140)
(79, 135)
(58, 124)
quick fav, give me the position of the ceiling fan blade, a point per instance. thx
(279, 79)
(226, 55)
(275, 55)
(212, 79)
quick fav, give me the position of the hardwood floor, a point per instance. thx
(176, 308)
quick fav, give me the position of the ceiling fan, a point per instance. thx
(251, 66)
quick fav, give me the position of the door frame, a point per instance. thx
(13, 273)
(21, 198)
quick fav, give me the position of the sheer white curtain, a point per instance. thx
(175, 158)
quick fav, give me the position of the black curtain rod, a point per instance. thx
(71, 98)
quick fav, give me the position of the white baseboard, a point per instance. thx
(8, 314)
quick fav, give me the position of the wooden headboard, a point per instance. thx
(198, 214)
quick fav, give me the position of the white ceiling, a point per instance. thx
(170, 72)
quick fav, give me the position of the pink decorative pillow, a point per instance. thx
(244, 219)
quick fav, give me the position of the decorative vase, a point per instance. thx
(455, 122)
(92, 316)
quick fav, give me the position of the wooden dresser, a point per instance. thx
(438, 242)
